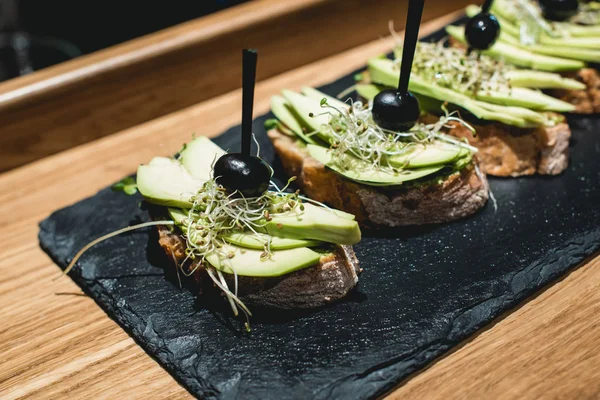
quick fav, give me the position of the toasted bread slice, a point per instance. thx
(315, 286)
(459, 195)
(510, 151)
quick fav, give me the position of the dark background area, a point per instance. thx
(35, 34)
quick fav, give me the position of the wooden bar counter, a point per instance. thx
(57, 343)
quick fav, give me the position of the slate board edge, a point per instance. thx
(368, 383)
(89, 287)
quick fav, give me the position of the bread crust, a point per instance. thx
(458, 196)
(510, 151)
(315, 286)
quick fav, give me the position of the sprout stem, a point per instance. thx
(110, 235)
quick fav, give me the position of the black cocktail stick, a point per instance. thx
(242, 173)
(249, 58)
(411, 36)
(398, 109)
(487, 4)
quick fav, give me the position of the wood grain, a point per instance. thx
(128, 84)
(55, 343)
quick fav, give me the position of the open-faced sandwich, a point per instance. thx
(386, 178)
(259, 245)
(550, 35)
(519, 130)
(275, 248)
(222, 220)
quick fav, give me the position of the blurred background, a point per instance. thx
(73, 71)
(35, 34)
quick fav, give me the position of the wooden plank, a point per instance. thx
(55, 343)
(125, 85)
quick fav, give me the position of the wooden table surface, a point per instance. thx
(55, 342)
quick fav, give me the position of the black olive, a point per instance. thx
(559, 10)
(482, 31)
(396, 111)
(248, 175)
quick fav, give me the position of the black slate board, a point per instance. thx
(420, 294)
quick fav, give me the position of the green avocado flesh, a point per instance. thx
(173, 182)
(168, 185)
(579, 37)
(419, 160)
(422, 156)
(247, 262)
(317, 95)
(248, 239)
(281, 110)
(521, 57)
(384, 72)
(362, 171)
(288, 255)
(199, 155)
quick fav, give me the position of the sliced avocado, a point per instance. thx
(592, 43)
(281, 110)
(305, 107)
(362, 171)
(317, 95)
(172, 185)
(247, 262)
(382, 71)
(574, 31)
(425, 156)
(368, 91)
(253, 241)
(316, 223)
(530, 118)
(527, 98)
(564, 50)
(583, 31)
(199, 155)
(163, 161)
(520, 57)
(542, 80)
(249, 239)
(167, 184)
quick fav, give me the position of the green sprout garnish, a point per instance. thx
(271, 124)
(352, 131)
(587, 14)
(452, 68)
(127, 185)
(215, 214)
(532, 23)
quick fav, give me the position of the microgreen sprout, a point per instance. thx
(127, 185)
(532, 22)
(453, 68)
(587, 14)
(215, 214)
(352, 131)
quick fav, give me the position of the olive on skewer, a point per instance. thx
(242, 172)
(398, 110)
